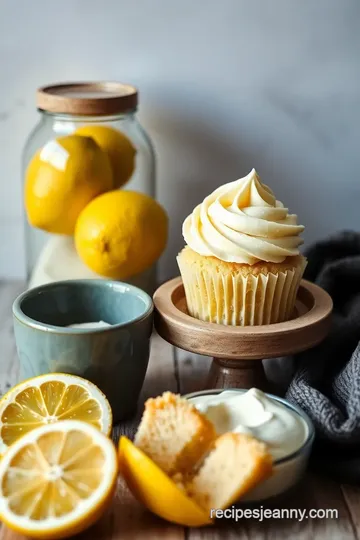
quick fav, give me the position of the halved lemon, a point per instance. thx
(157, 491)
(57, 480)
(47, 399)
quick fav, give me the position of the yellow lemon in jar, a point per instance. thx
(117, 146)
(61, 179)
(121, 233)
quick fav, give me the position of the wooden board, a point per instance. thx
(128, 520)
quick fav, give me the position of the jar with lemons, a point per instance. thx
(89, 188)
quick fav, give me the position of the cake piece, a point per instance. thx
(235, 465)
(174, 434)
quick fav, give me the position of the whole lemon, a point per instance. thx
(61, 179)
(121, 233)
(118, 147)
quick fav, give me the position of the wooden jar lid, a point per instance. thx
(87, 98)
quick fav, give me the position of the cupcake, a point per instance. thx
(241, 265)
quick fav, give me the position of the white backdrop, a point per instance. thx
(226, 85)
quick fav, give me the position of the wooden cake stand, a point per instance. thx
(238, 351)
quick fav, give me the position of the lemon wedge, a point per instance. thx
(47, 399)
(157, 491)
(57, 480)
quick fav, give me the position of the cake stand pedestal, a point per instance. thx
(238, 351)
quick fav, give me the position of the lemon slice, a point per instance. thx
(157, 491)
(57, 480)
(47, 399)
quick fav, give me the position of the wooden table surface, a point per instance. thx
(174, 370)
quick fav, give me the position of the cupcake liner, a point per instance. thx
(239, 300)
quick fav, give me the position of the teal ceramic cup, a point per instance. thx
(114, 357)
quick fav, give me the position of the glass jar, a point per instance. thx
(63, 109)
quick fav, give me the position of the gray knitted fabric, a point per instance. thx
(326, 383)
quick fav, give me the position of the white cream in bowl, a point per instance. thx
(95, 324)
(287, 432)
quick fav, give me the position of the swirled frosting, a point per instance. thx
(242, 222)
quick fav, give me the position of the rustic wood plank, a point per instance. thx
(312, 493)
(9, 365)
(192, 370)
(352, 498)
